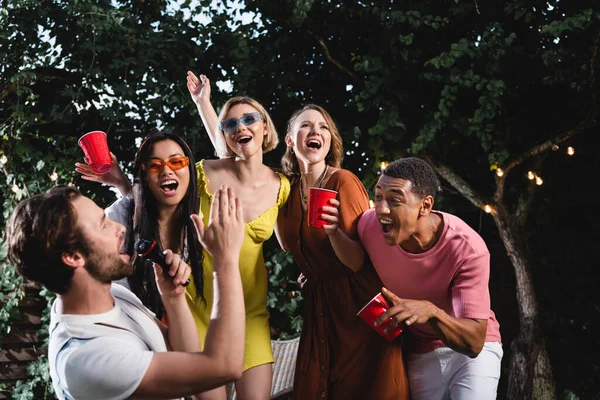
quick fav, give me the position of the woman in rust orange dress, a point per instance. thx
(340, 356)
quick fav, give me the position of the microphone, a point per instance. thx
(149, 250)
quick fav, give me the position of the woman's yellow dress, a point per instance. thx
(253, 272)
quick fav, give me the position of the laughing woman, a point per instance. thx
(165, 194)
(241, 134)
(339, 356)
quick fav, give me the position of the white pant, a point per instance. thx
(445, 374)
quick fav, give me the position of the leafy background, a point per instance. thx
(469, 84)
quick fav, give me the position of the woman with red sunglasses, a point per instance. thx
(158, 207)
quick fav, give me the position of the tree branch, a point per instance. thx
(332, 60)
(457, 182)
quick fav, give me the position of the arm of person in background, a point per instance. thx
(199, 89)
(177, 374)
(342, 216)
(114, 177)
(350, 252)
(464, 335)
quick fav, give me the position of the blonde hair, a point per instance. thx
(289, 162)
(269, 142)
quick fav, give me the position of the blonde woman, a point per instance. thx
(241, 134)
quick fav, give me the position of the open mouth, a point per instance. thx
(314, 144)
(244, 139)
(386, 225)
(169, 186)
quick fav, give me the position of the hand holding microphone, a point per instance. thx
(148, 250)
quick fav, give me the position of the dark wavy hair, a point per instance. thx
(289, 162)
(145, 223)
(39, 231)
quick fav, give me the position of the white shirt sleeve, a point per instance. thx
(101, 368)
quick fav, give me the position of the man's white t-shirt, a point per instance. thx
(103, 356)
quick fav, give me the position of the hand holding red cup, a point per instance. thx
(317, 199)
(95, 148)
(373, 309)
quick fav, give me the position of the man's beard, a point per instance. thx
(107, 269)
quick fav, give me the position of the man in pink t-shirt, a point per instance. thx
(436, 272)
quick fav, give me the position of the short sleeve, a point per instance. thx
(121, 211)
(469, 288)
(284, 190)
(362, 222)
(102, 368)
(354, 201)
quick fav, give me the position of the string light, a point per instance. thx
(570, 150)
(384, 165)
(487, 208)
(499, 172)
(371, 204)
(539, 181)
(555, 147)
(3, 159)
(70, 184)
(530, 175)
(14, 188)
(53, 176)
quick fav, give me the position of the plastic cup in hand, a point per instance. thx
(96, 151)
(317, 199)
(372, 310)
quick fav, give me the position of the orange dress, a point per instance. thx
(340, 356)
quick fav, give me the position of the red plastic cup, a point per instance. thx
(96, 151)
(372, 310)
(317, 199)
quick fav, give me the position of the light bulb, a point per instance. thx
(53, 176)
(499, 172)
(530, 175)
(70, 184)
(384, 165)
(14, 188)
(487, 208)
(371, 204)
(3, 159)
(570, 150)
(555, 147)
(538, 181)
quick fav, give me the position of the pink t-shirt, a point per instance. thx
(453, 275)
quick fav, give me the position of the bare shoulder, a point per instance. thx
(217, 164)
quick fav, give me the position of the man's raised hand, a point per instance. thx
(224, 234)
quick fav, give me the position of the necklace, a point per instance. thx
(303, 196)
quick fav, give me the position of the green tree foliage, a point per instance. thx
(473, 86)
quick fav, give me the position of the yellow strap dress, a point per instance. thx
(253, 272)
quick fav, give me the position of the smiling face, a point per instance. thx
(310, 137)
(104, 239)
(400, 211)
(168, 186)
(245, 141)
